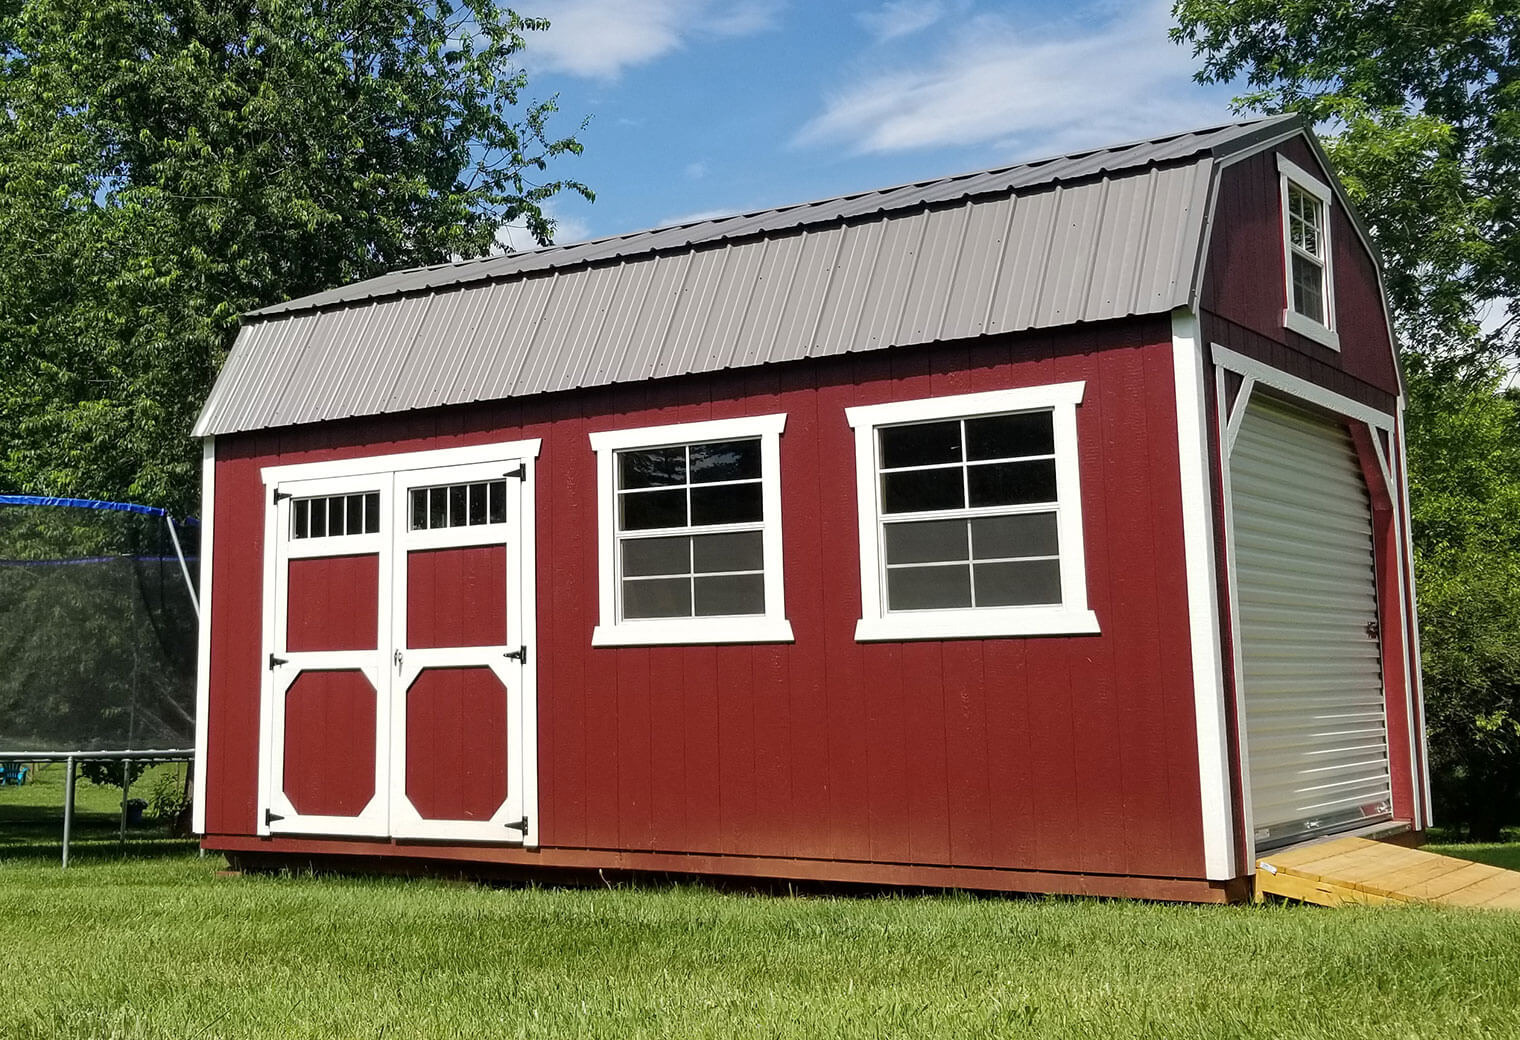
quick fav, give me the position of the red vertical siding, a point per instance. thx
(1052, 754)
(456, 597)
(329, 767)
(456, 744)
(331, 603)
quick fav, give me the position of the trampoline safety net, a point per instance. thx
(97, 626)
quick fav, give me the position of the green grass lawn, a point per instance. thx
(156, 945)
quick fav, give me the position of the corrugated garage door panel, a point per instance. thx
(1316, 734)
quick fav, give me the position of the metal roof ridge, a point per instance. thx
(1250, 132)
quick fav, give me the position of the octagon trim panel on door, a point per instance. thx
(398, 625)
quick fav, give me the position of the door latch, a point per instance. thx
(396, 657)
(520, 655)
(1373, 629)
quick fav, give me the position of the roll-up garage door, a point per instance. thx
(1316, 736)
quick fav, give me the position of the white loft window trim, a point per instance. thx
(1307, 267)
(1018, 543)
(660, 519)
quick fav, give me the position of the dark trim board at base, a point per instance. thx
(542, 864)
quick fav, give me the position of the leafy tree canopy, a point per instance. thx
(168, 164)
(1424, 96)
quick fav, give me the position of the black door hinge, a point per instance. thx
(518, 825)
(520, 654)
(279, 496)
(270, 816)
(275, 662)
(521, 473)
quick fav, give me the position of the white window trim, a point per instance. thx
(1289, 172)
(1071, 617)
(773, 627)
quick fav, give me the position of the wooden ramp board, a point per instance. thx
(1358, 871)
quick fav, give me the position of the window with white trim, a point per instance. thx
(1306, 200)
(690, 533)
(970, 516)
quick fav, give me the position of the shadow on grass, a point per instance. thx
(36, 832)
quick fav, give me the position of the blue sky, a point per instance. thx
(703, 107)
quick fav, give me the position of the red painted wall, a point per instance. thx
(1245, 288)
(1070, 754)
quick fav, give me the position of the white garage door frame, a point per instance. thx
(1255, 374)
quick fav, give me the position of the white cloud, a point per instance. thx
(696, 170)
(1099, 77)
(901, 18)
(598, 39)
(567, 229)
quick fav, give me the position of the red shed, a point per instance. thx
(1037, 529)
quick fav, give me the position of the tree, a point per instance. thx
(1421, 99)
(166, 165)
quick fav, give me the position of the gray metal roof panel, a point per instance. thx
(1082, 238)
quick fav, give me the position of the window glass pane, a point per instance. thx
(656, 556)
(739, 551)
(656, 598)
(652, 467)
(928, 588)
(372, 512)
(335, 515)
(1308, 299)
(438, 507)
(301, 511)
(922, 444)
(458, 507)
(730, 504)
(727, 460)
(1027, 534)
(354, 515)
(498, 507)
(647, 510)
(1018, 584)
(730, 594)
(318, 518)
(419, 509)
(928, 541)
(1012, 483)
(479, 493)
(1010, 436)
(919, 490)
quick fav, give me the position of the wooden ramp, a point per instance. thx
(1354, 870)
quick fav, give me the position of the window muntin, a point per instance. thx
(330, 516)
(970, 516)
(689, 534)
(690, 520)
(1306, 246)
(458, 505)
(968, 512)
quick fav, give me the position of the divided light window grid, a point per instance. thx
(459, 505)
(969, 512)
(328, 516)
(1306, 240)
(690, 530)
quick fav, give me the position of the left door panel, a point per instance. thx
(327, 630)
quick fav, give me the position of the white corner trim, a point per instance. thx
(772, 627)
(1302, 389)
(1406, 554)
(1070, 617)
(203, 638)
(1214, 780)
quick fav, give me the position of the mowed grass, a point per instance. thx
(159, 946)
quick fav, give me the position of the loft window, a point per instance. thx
(458, 505)
(970, 516)
(1306, 200)
(690, 533)
(328, 516)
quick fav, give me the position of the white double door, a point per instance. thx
(395, 652)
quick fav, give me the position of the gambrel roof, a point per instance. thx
(1109, 233)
